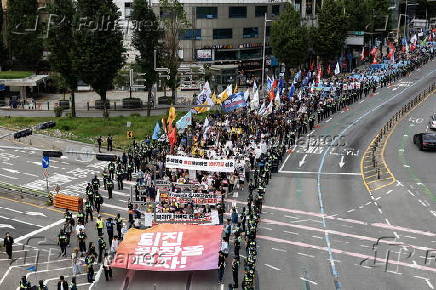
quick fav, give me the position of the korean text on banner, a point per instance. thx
(183, 162)
(170, 247)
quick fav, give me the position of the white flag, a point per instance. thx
(206, 123)
(277, 99)
(337, 69)
(246, 94)
(254, 103)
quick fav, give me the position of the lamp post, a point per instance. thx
(263, 54)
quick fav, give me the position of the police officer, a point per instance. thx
(89, 261)
(81, 217)
(101, 248)
(120, 177)
(119, 222)
(90, 193)
(100, 225)
(81, 238)
(235, 268)
(88, 210)
(111, 169)
(105, 178)
(98, 202)
(24, 284)
(95, 183)
(68, 216)
(110, 230)
(110, 187)
(62, 242)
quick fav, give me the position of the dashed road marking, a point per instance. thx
(306, 255)
(310, 281)
(272, 267)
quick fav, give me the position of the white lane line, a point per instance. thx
(30, 174)
(426, 280)
(292, 233)
(7, 163)
(410, 237)
(377, 198)
(361, 101)
(407, 166)
(421, 202)
(329, 119)
(380, 211)
(113, 206)
(3, 217)
(322, 173)
(368, 203)
(387, 221)
(361, 206)
(411, 193)
(269, 229)
(7, 176)
(317, 237)
(31, 234)
(351, 210)
(364, 246)
(11, 209)
(280, 250)
(272, 267)
(347, 226)
(396, 235)
(26, 223)
(310, 281)
(292, 217)
(287, 157)
(389, 191)
(306, 255)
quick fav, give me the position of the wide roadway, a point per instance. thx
(320, 224)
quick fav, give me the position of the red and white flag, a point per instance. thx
(362, 55)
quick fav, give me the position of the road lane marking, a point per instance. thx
(351, 210)
(426, 280)
(306, 255)
(7, 176)
(389, 191)
(30, 174)
(47, 227)
(310, 281)
(269, 229)
(26, 223)
(280, 250)
(272, 267)
(288, 232)
(322, 173)
(292, 217)
(11, 209)
(410, 237)
(411, 193)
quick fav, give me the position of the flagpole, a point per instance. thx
(263, 56)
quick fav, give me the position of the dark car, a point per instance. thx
(425, 140)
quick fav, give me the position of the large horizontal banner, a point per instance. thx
(194, 197)
(197, 218)
(183, 162)
(234, 102)
(170, 247)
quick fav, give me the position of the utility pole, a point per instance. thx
(263, 55)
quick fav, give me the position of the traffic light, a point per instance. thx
(46, 125)
(22, 133)
(52, 153)
(106, 157)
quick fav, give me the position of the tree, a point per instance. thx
(289, 39)
(146, 40)
(60, 44)
(332, 30)
(23, 32)
(174, 20)
(99, 45)
(2, 47)
(357, 14)
(378, 12)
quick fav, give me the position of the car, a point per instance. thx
(432, 122)
(425, 140)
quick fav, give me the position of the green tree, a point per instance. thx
(99, 45)
(332, 30)
(378, 12)
(60, 44)
(24, 39)
(145, 39)
(2, 47)
(174, 20)
(289, 39)
(357, 14)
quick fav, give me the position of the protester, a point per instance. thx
(62, 284)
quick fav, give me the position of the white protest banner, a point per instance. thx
(183, 162)
(183, 218)
(194, 197)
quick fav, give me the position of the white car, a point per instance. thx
(432, 122)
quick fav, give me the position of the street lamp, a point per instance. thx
(263, 54)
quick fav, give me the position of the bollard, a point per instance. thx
(87, 105)
(378, 173)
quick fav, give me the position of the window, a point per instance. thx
(207, 12)
(260, 11)
(127, 9)
(250, 32)
(275, 10)
(190, 34)
(238, 12)
(222, 33)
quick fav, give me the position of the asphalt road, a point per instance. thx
(320, 223)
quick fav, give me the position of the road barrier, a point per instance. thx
(375, 151)
(73, 203)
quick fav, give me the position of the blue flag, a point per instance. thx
(156, 131)
(291, 91)
(185, 121)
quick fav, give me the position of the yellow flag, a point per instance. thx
(171, 115)
(236, 89)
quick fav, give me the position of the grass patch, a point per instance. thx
(88, 129)
(15, 74)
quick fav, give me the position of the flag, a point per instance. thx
(254, 86)
(235, 101)
(362, 55)
(271, 95)
(262, 109)
(206, 123)
(275, 83)
(156, 131)
(269, 109)
(391, 52)
(373, 51)
(413, 39)
(337, 69)
(171, 115)
(172, 137)
(224, 95)
(204, 99)
(164, 125)
(246, 95)
(235, 90)
(424, 42)
(291, 91)
(319, 74)
(185, 121)
(281, 85)
(277, 100)
(254, 103)
(269, 83)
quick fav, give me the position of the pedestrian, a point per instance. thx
(221, 267)
(114, 245)
(225, 246)
(109, 143)
(234, 216)
(110, 230)
(62, 242)
(7, 243)
(99, 141)
(228, 229)
(75, 262)
(99, 225)
(89, 261)
(101, 248)
(107, 267)
(81, 238)
(73, 283)
(62, 284)
(41, 285)
(235, 268)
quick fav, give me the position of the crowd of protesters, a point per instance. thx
(257, 146)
